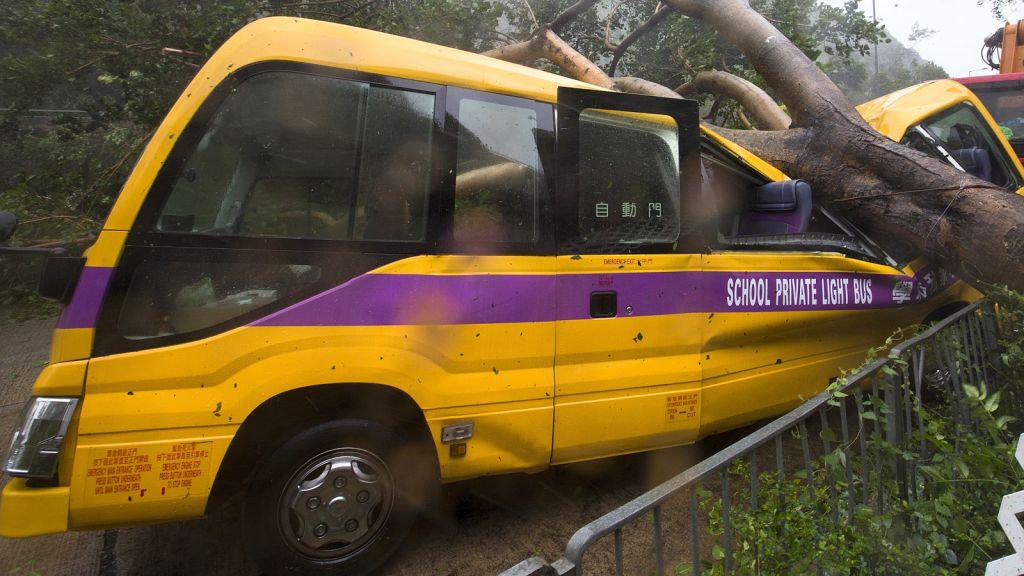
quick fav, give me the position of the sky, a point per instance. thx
(960, 28)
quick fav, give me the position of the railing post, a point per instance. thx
(894, 430)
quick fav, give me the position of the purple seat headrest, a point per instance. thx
(777, 196)
(777, 208)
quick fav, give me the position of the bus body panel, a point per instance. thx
(819, 314)
(73, 336)
(634, 372)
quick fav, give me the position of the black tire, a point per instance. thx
(337, 498)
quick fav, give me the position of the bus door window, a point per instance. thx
(1005, 101)
(628, 181)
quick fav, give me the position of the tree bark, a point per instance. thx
(641, 86)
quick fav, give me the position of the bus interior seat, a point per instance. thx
(777, 208)
(975, 162)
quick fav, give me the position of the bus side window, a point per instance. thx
(176, 297)
(498, 176)
(304, 156)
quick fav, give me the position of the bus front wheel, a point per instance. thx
(337, 498)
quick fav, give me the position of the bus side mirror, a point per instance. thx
(60, 276)
(8, 222)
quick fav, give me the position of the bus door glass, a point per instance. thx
(628, 335)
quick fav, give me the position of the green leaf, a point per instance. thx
(972, 391)
(962, 468)
(992, 402)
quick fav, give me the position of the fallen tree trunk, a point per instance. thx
(896, 194)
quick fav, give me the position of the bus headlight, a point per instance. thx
(35, 448)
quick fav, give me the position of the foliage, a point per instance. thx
(943, 523)
(918, 33)
(999, 7)
(1010, 367)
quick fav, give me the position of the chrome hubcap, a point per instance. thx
(336, 502)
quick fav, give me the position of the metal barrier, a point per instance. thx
(877, 402)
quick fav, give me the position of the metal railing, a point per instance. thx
(878, 402)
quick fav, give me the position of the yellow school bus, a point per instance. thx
(350, 267)
(943, 118)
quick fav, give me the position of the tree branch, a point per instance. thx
(660, 14)
(641, 86)
(765, 111)
(526, 52)
(533, 16)
(788, 145)
(546, 44)
(608, 27)
(570, 13)
(744, 120)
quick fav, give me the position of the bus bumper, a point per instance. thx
(28, 511)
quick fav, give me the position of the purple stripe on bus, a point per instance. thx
(392, 299)
(646, 293)
(396, 299)
(85, 304)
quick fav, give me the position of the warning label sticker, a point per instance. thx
(156, 471)
(681, 407)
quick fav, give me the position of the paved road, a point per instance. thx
(483, 527)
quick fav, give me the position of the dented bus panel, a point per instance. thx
(351, 266)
